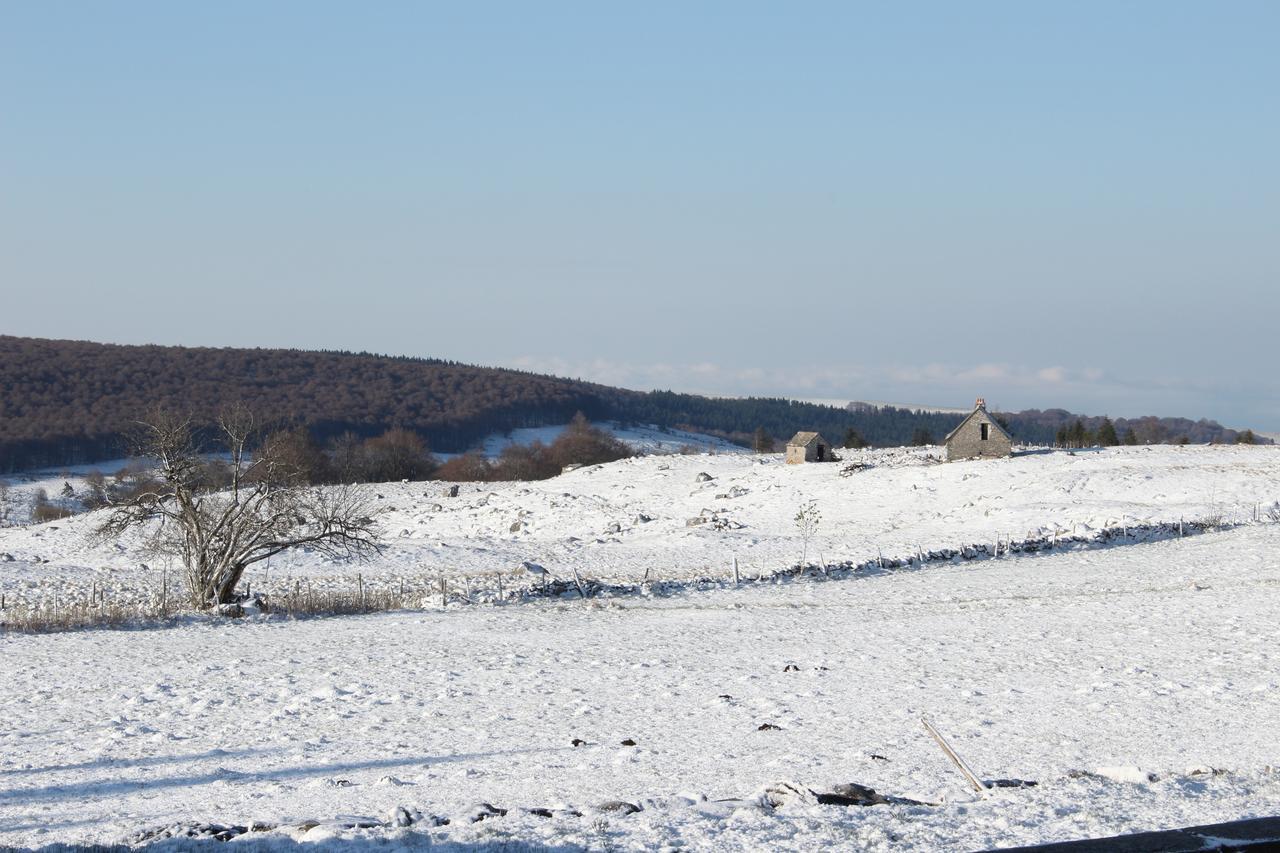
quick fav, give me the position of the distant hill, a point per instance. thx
(70, 402)
(1040, 427)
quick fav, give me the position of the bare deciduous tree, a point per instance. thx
(807, 521)
(220, 518)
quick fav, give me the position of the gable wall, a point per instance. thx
(967, 443)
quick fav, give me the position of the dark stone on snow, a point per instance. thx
(628, 742)
(578, 742)
(791, 668)
(853, 794)
(875, 757)
(768, 727)
(541, 812)
(1009, 783)
(484, 811)
(620, 806)
(208, 831)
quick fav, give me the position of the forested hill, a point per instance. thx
(69, 402)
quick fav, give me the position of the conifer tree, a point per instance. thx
(761, 441)
(1078, 436)
(1107, 433)
(921, 437)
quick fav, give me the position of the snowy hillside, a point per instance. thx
(642, 439)
(665, 517)
(1137, 685)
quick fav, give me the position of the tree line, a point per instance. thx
(73, 402)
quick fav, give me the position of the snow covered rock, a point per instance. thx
(779, 794)
(1126, 773)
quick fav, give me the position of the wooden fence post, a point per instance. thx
(964, 769)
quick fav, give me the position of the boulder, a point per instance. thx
(852, 794)
(619, 806)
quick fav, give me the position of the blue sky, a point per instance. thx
(1068, 205)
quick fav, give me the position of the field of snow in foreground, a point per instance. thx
(1154, 669)
(688, 516)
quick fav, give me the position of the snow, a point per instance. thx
(592, 520)
(1072, 669)
(23, 486)
(1137, 684)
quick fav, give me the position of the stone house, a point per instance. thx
(808, 447)
(979, 436)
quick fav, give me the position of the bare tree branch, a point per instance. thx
(220, 527)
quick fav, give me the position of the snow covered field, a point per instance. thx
(658, 517)
(1082, 670)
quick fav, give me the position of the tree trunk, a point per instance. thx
(227, 591)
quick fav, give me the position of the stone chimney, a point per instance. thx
(980, 403)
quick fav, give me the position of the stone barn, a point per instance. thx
(978, 437)
(808, 447)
